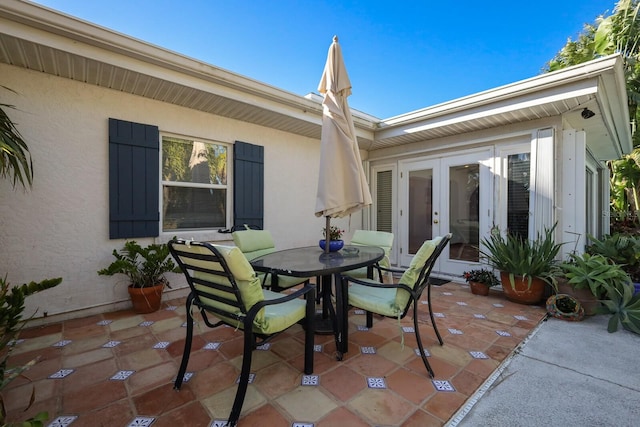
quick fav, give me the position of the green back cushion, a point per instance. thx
(254, 243)
(411, 274)
(248, 282)
(381, 239)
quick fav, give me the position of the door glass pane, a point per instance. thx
(384, 201)
(518, 194)
(464, 212)
(420, 208)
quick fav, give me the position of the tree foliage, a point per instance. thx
(617, 33)
(15, 160)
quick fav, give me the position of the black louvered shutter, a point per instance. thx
(248, 184)
(133, 180)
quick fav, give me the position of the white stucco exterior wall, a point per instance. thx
(60, 227)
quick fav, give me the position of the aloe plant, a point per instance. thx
(520, 256)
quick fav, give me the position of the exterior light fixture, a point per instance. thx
(587, 114)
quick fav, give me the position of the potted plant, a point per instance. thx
(335, 238)
(145, 268)
(526, 266)
(480, 281)
(622, 249)
(585, 277)
(565, 307)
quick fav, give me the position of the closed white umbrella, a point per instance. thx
(342, 184)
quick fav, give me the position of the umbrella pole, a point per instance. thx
(327, 235)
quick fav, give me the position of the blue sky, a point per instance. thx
(401, 56)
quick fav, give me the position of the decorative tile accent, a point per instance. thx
(61, 343)
(503, 333)
(162, 344)
(441, 315)
(147, 323)
(478, 355)
(211, 346)
(417, 352)
(358, 311)
(461, 303)
(264, 347)
(376, 382)
(121, 375)
(408, 329)
(104, 322)
(171, 307)
(362, 328)
(15, 342)
(367, 350)
(479, 316)
(453, 331)
(185, 378)
(111, 344)
(218, 423)
(297, 424)
(310, 380)
(317, 348)
(63, 421)
(61, 373)
(141, 422)
(319, 311)
(447, 293)
(521, 317)
(498, 305)
(184, 325)
(252, 377)
(424, 302)
(443, 385)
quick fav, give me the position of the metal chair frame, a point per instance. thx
(233, 298)
(415, 293)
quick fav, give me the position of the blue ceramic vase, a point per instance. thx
(334, 245)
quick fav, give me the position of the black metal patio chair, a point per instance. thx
(394, 299)
(225, 286)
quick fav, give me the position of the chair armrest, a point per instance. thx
(391, 269)
(302, 291)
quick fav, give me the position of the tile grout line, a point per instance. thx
(488, 383)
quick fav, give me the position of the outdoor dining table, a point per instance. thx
(312, 261)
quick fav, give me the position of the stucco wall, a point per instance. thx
(60, 227)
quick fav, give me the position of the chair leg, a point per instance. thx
(369, 319)
(433, 320)
(309, 333)
(419, 340)
(243, 383)
(187, 346)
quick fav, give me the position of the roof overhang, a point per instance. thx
(42, 39)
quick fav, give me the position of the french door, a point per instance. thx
(446, 194)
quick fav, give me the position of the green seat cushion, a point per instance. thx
(285, 282)
(375, 300)
(381, 239)
(278, 317)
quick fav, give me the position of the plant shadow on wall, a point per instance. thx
(145, 267)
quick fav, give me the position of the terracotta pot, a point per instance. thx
(146, 300)
(478, 288)
(584, 296)
(521, 292)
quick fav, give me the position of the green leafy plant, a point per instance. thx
(620, 248)
(484, 276)
(144, 266)
(15, 160)
(520, 256)
(11, 323)
(623, 306)
(335, 233)
(593, 272)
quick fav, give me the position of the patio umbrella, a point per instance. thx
(342, 184)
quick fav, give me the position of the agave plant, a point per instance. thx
(623, 306)
(593, 272)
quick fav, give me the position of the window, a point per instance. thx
(518, 167)
(194, 184)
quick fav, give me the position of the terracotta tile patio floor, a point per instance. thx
(117, 369)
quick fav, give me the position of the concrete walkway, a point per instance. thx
(565, 374)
